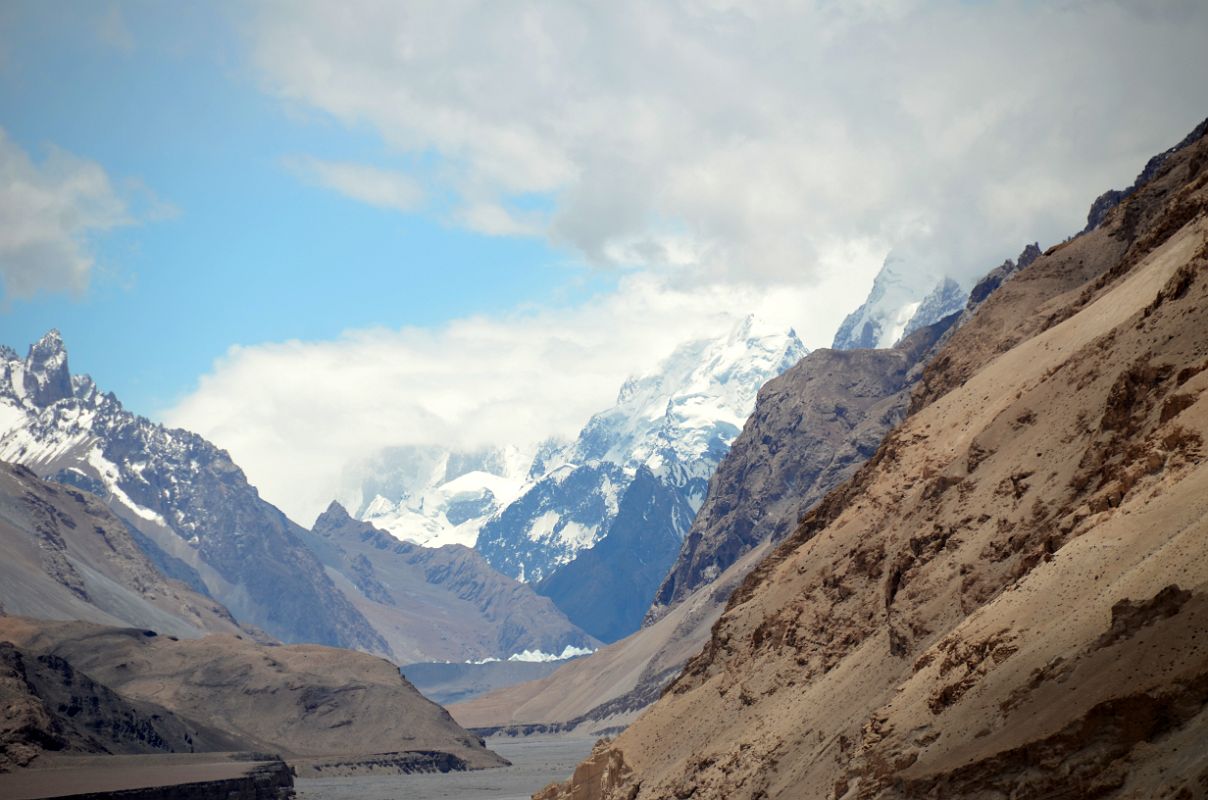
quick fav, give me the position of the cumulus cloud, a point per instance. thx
(295, 415)
(729, 156)
(741, 139)
(48, 212)
(378, 187)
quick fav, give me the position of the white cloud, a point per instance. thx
(495, 220)
(732, 157)
(378, 187)
(48, 212)
(295, 415)
(743, 138)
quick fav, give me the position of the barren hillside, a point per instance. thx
(1010, 598)
(67, 556)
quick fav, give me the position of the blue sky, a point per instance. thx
(309, 230)
(230, 246)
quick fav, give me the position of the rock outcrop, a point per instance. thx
(1008, 599)
(608, 588)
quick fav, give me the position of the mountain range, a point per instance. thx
(811, 429)
(960, 553)
(169, 497)
(597, 521)
(103, 653)
(182, 494)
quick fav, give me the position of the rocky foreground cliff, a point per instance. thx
(1010, 598)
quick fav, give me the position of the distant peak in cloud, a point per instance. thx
(296, 414)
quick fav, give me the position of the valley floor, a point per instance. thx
(535, 763)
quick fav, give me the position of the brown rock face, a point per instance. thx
(600, 776)
(811, 429)
(1010, 598)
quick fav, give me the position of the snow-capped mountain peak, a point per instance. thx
(682, 415)
(45, 377)
(904, 297)
(434, 496)
(676, 420)
(654, 449)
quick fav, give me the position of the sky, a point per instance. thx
(308, 230)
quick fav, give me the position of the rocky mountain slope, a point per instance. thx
(1005, 600)
(437, 603)
(811, 428)
(903, 299)
(562, 512)
(319, 707)
(180, 492)
(626, 489)
(603, 692)
(67, 556)
(609, 585)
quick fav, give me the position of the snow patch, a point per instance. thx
(570, 651)
(542, 528)
(108, 473)
(538, 656)
(11, 417)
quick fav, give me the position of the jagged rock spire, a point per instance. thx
(47, 377)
